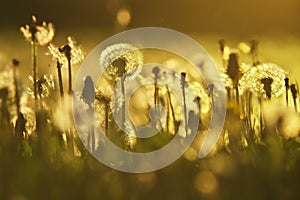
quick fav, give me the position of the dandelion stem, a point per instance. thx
(168, 116)
(254, 45)
(17, 95)
(155, 71)
(228, 93)
(211, 93)
(67, 51)
(286, 81)
(237, 95)
(294, 93)
(171, 106)
(222, 47)
(34, 71)
(34, 68)
(70, 75)
(3, 97)
(61, 87)
(183, 84)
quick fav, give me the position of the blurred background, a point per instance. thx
(274, 24)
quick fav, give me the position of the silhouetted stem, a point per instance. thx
(171, 106)
(61, 87)
(34, 68)
(228, 93)
(237, 95)
(34, 71)
(295, 104)
(168, 112)
(286, 80)
(211, 93)
(17, 95)
(294, 94)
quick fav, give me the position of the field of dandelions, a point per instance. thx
(41, 156)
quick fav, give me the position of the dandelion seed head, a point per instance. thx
(252, 80)
(43, 33)
(77, 54)
(45, 86)
(120, 58)
(26, 32)
(228, 83)
(56, 54)
(200, 92)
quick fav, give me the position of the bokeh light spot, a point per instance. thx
(123, 17)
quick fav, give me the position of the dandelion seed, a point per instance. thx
(120, 58)
(252, 80)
